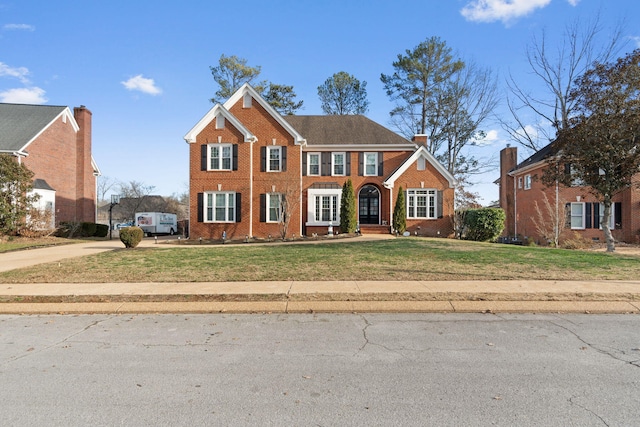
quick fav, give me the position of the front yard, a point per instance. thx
(396, 259)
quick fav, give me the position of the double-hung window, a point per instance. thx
(577, 216)
(326, 208)
(612, 221)
(338, 164)
(274, 159)
(220, 156)
(527, 182)
(313, 164)
(421, 203)
(370, 164)
(220, 207)
(274, 207)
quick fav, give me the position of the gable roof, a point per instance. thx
(248, 89)
(20, 124)
(420, 152)
(219, 110)
(350, 130)
(535, 159)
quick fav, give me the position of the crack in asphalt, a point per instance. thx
(570, 400)
(62, 341)
(600, 349)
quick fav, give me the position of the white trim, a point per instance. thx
(247, 89)
(312, 193)
(217, 109)
(571, 215)
(421, 151)
(64, 114)
(344, 163)
(360, 147)
(271, 148)
(375, 163)
(316, 153)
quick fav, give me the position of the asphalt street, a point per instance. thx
(320, 369)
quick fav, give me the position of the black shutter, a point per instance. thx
(304, 164)
(617, 215)
(596, 215)
(567, 171)
(380, 163)
(284, 158)
(203, 157)
(263, 208)
(200, 207)
(587, 208)
(347, 170)
(238, 207)
(326, 164)
(439, 212)
(360, 163)
(567, 211)
(235, 157)
(263, 159)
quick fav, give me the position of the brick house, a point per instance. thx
(245, 158)
(56, 146)
(521, 188)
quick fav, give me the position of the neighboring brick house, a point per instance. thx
(245, 157)
(521, 187)
(56, 146)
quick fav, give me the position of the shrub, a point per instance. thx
(348, 216)
(101, 230)
(131, 236)
(88, 229)
(484, 224)
(399, 221)
(576, 242)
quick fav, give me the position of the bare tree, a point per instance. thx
(536, 118)
(105, 185)
(550, 219)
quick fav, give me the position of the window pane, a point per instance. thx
(274, 159)
(338, 164)
(215, 158)
(314, 164)
(209, 216)
(371, 160)
(226, 158)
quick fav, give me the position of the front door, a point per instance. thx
(369, 205)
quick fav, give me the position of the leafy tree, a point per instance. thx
(16, 183)
(599, 146)
(282, 98)
(535, 118)
(343, 94)
(484, 224)
(348, 215)
(232, 72)
(399, 221)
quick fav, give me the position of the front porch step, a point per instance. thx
(374, 229)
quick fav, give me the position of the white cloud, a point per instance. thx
(31, 95)
(22, 27)
(502, 10)
(636, 40)
(20, 73)
(490, 137)
(142, 84)
(573, 2)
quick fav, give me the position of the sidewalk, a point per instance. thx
(530, 296)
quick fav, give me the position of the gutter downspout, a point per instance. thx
(251, 188)
(515, 208)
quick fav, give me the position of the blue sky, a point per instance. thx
(142, 67)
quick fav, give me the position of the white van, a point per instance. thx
(157, 222)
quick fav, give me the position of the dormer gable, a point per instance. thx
(247, 95)
(419, 156)
(222, 118)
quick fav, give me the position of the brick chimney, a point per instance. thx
(85, 179)
(508, 161)
(420, 139)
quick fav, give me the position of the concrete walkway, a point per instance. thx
(621, 296)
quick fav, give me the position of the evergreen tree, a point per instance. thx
(348, 217)
(400, 213)
(343, 94)
(16, 197)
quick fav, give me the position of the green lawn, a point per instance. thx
(395, 259)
